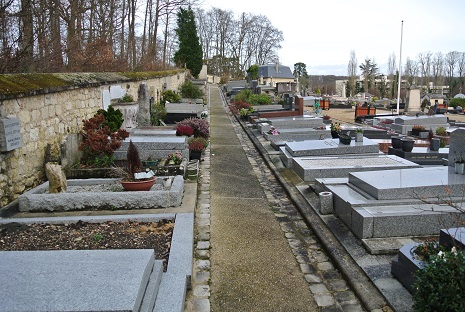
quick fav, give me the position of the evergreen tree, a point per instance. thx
(190, 50)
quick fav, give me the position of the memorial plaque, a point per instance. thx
(10, 134)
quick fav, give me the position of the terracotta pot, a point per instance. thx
(145, 185)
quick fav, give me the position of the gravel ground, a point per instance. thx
(84, 236)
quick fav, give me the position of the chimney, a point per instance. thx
(277, 67)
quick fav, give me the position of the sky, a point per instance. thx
(322, 34)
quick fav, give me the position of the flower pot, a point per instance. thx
(459, 168)
(144, 185)
(344, 139)
(334, 134)
(195, 155)
(407, 145)
(358, 136)
(396, 142)
(434, 144)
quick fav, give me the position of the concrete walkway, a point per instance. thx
(252, 266)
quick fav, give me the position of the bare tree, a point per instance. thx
(437, 66)
(352, 73)
(450, 62)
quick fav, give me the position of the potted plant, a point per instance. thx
(335, 129)
(326, 119)
(132, 177)
(345, 138)
(407, 144)
(359, 135)
(174, 158)
(196, 147)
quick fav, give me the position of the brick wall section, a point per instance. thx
(53, 118)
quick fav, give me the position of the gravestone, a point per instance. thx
(106, 100)
(457, 146)
(143, 115)
(10, 134)
(56, 178)
(413, 101)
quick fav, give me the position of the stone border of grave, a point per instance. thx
(37, 199)
(175, 281)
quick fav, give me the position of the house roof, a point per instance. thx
(268, 71)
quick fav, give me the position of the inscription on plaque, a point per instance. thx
(10, 134)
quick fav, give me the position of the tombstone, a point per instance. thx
(413, 104)
(143, 115)
(10, 134)
(106, 99)
(457, 146)
(56, 178)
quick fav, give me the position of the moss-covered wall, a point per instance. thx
(50, 108)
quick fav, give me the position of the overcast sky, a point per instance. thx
(321, 34)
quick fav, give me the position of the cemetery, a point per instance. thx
(389, 197)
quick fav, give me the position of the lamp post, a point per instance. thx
(400, 68)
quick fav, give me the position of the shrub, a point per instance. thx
(201, 126)
(170, 96)
(197, 144)
(158, 113)
(457, 102)
(259, 99)
(134, 165)
(189, 90)
(184, 130)
(127, 98)
(441, 131)
(113, 118)
(243, 96)
(237, 106)
(99, 142)
(440, 285)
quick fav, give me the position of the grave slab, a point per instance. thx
(296, 122)
(299, 134)
(75, 280)
(311, 168)
(154, 147)
(330, 147)
(422, 155)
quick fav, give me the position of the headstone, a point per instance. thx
(106, 99)
(413, 101)
(457, 146)
(56, 178)
(143, 115)
(116, 92)
(10, 134)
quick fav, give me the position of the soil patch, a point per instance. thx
(89, 236)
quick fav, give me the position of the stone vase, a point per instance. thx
(396, 142)
(334, 134)
(434, 144)
(407, 145)
(459, 168)
(358, 136)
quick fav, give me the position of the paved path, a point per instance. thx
(254, 251)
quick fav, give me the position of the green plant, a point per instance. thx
(457, 102)
(97, 237)
(157, 114)
(440, 285)
(127, 98)
(197, 144)
(441, 131)
(170, 96)
(244, 112)
(113, 118)
(359, 130)
(189, 90)
(174, 158)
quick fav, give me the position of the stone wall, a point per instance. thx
(55, 118)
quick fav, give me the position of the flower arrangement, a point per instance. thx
(201, 126)
(184, 130)
(359, 130)
(326, 117)
(273, 131)
(198, 144)
(418, 127)
(174, 158)
(336, 127)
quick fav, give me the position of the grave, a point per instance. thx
(311, 168)
(98, 280)
(422, 155)
(101, 194)
(154, 147)
(296, 122)
(404, 124)
(298, 134)
(400, 202)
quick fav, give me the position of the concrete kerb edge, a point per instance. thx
(367, 292)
